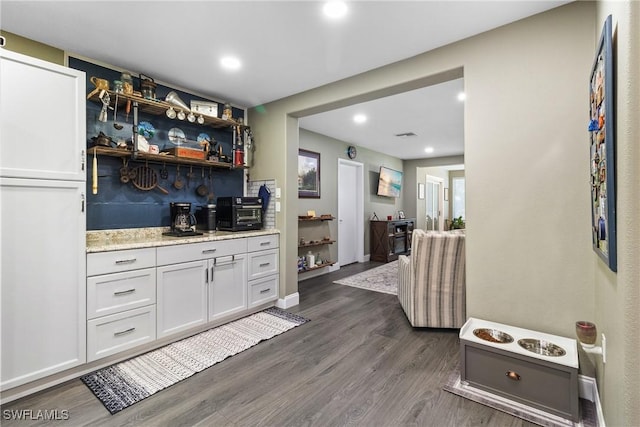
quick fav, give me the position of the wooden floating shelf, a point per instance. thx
(316, 218)
(159, 158)
(324, 264)
(158, 107)
(318, 243)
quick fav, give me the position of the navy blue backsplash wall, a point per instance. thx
(119, 205)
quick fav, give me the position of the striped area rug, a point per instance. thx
(123, 384)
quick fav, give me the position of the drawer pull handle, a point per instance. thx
(125, 261)
(128, 291)
(264, 291)
(513, 375)
(128, 331)
(217, 264)
(264, 264)
(209, 251)
(265, 243)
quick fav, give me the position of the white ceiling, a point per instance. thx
(286, 47)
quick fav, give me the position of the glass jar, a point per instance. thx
(127, 82)
(227, 112)
(117, 86)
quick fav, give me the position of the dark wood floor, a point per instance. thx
(358, 362)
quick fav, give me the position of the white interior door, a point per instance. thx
(350, 212)
(435, 202)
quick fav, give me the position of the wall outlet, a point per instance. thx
(604, 349)
(277, 206)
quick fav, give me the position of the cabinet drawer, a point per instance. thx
(545, 387)
(263, 263)
(262, 291)
(197, 251)
(116, 261)
(113, 293)
(261, 243)
(111, 334)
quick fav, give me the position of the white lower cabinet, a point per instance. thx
(204, 289)
(139, 295)
(182, 296)
(227, 286)
(108, 335)
(121, 301)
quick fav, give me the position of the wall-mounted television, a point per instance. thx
(390, 182)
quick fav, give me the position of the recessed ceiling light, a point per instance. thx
(462, 96)
(428, 150)
(359, 118)
(230, 63)
(335, 9)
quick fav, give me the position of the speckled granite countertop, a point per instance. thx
(135, 238)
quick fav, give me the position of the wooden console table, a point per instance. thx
(388, 239)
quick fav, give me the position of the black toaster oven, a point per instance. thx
(239, 213)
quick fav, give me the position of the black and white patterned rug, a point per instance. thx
(588, 416)
(125, 383)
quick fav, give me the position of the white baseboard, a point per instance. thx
(366, 258)
(288, 301)
(588, 389)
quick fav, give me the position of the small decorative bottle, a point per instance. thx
(311, 260)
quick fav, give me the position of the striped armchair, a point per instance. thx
(431, 282)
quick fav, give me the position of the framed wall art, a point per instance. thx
(308, 174)
(602, 150)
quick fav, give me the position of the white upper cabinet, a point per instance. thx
(42, 119)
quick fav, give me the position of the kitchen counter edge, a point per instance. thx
(160, 240)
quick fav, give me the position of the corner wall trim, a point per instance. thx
(288, 301)
(588, 389)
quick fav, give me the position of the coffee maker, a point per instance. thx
(182, 220)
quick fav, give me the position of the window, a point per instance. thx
(458, 197)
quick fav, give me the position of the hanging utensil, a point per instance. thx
(115, 115)
(124, 172)
(189, 176)
(94, 175)
(146, 179)
(178, 183)
(127, 110)
(202, 189)
(164, 174)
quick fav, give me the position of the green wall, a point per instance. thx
(33, 48)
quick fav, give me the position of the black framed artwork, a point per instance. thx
(602, 150)
(308, 174)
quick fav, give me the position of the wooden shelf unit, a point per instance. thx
(159, 158)
(318, 240)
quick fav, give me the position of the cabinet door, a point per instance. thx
(181, 297)
(43, 281)
(228, 289)
(42, 119)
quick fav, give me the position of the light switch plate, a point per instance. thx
(277, 192)
(277, 206)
